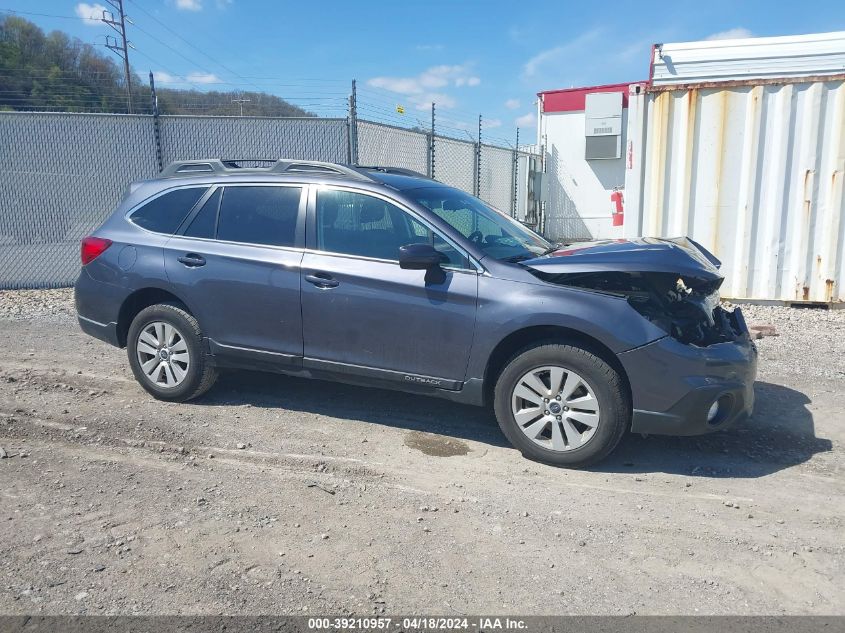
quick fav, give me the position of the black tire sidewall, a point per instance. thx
(174, 316)
(603, 379)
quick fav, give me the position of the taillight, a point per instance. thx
(92, 248)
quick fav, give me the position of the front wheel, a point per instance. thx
(164, 344)
(561, 405)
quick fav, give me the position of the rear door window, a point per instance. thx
(259, 215)
(165, 213)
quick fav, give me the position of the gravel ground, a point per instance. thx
(281, 495)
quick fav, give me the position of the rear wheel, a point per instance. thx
(561, 405)
(164, 345)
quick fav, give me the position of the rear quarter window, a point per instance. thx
(165, 213)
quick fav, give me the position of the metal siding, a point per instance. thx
(750, 58)
(754, 173)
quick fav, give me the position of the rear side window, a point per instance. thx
(166, 212)
(259, 215)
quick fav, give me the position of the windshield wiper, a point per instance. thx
(515, 259)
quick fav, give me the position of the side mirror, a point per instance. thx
(418, 257)
(423, 257)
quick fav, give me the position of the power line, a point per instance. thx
(48, 15)
(196, 48)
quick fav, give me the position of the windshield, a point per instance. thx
(495, 233)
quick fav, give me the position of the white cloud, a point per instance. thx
(91, 14)
(189, 5)
(203, 78)
(490, 123)
(163, 77)
(429, 47)
(731, 34)
(512, 104)
(555, 56)
(526, 120)
(426, 87)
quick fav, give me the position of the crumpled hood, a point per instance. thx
(678, 256)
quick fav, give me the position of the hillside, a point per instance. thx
(60, 73)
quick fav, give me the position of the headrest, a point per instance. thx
(450, 204)
(372, 211)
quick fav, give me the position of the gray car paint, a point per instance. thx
(381, 325)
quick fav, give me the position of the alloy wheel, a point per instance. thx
(555, 408)
(163, 354)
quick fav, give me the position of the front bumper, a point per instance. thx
(673, 385)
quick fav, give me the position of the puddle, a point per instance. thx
(435, 445)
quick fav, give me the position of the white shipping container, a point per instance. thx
(751, 169)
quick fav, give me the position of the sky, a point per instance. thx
(489, 58)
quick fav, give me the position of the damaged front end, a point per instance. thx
(674, 283)
(686, 308)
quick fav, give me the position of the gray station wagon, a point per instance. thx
(382, 277)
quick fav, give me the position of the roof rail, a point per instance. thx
(229, 166)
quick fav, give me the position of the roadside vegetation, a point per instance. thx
(56, 72)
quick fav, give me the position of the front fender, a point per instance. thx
(508, 306)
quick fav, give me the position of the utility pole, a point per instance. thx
(431, 148)
(122, 48)
(240, 101)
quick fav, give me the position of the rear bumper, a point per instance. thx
(674, 385)
(97, 307)
(104, 331)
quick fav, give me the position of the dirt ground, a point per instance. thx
(350, 500)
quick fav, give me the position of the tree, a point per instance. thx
(60, 73)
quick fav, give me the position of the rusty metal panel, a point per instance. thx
(754, 173)
(748, 59)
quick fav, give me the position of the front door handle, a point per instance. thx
(192, 260)
(322, 280)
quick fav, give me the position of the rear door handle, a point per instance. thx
(322, 280)
(192, 260)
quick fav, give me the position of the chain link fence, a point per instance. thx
(380, 144)
(192, 137)
(454, 163)
(496, 179)
(62, 174)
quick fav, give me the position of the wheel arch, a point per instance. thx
(139, 300)
(535, 335)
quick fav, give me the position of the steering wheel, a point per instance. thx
(477, 237)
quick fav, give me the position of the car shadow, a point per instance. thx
(780, 434)
(385, 407)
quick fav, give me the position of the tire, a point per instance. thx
(188, 367)
(566, 439)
